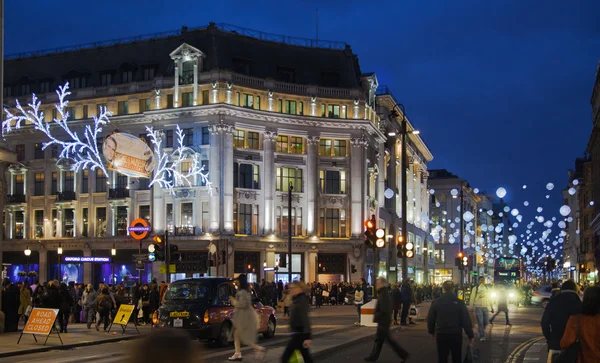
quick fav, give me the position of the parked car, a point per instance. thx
(542, 295)
(201, 306)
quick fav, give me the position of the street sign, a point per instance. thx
(40, 321)
(172, 268)
(123, 315)
(139, 229)
(141, 257)
(139, 265)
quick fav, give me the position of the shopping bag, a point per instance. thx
(414, 311)
(28, 310)
(296, 357)
(472, 354)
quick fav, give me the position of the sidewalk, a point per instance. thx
(78, 336)
(538, 352)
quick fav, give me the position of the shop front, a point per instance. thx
(119, 268)
(70, 269)
(18, 267)
(332, 267)
(296, 265)
(247, 262)
(441, 275)
(193, 264)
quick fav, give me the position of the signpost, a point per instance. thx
(41, 322)
(139, 229)
(122, 318)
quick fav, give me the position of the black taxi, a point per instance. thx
(201, 306)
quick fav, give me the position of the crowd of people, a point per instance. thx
(78, 303)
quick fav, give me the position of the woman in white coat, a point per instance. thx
(244, 322)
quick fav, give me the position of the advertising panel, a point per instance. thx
(128, 155)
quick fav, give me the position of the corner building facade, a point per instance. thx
(262, 115)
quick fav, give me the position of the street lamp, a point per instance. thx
(27, 254)
(462, 223)
(113, 253)
(60, 252)
(404, 164)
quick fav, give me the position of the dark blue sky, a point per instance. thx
(499, 89)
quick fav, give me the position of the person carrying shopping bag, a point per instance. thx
(244, 321)
(299, 325)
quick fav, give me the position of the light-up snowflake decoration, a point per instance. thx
(84, 151)
(168, 173)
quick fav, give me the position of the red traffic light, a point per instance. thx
(369, 224)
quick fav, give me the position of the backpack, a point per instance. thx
(105, 303)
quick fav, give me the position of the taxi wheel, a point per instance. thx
(270, 333)
(223, 338)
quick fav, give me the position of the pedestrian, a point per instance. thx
(154, 300)
(408, 299)
(502, 305)
(244, 321)
(447, 318)
(66, 305)
(557, 314)
(318, 295)
(104, 304)
(555, 289)
(480, 301)
(52, 299)
(145, 296)
(89, 305)
(299, 324)
(396, 301)
(383, 317)
(585, 328)
(11, 299)
(25, 302)
(358, 301)
(287, 301)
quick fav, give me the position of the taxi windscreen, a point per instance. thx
(188, 291)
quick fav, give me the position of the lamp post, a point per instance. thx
(461, 236)
(27, 254)
(113, 253)
(59, 252)
(403, 165)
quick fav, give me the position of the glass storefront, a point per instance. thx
(442, 275)
(68, 271)
(122, 269)
(17, 267)
(332, 267)
(297, 271)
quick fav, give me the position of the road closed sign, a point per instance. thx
(40, 321)
(123, 315)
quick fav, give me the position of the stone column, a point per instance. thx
(157, 99)
(227, 172)
(10, 226)
(312, 180)
(356, 182)
(417, 195)
(268, 188)
(228, 93)
(87, 267)
(59, 216)
(356, 109)
(380, 176)
(195, 101)
(215, 178)
(176, 88)
(43, 265)
(110, 225)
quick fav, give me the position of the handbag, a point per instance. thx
(28, 310)
(414, 311)
(570, 354)
(472, 354)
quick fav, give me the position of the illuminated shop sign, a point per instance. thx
(73, 259)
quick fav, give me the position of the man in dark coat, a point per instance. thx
(557, 313)
(447, 318)
(407, 299)
(52, 299)
(383, 317)
(11, 298)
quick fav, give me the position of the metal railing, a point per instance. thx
(15, 198)
(183, 231)
(66, 196)
(271, 37)
(118, 193)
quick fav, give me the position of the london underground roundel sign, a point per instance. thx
(139, 229)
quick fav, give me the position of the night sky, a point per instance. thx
(500, 90)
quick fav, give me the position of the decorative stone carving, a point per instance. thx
(358, 142)
(246, 195)
(313, 140)
(295, 198)
(270, 135)
(185, 193)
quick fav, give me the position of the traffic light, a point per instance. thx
(465, 261)
(470, 262)
(370, 237)
(582, 268)
(400, 246)
(409, 250)
(157, 249)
